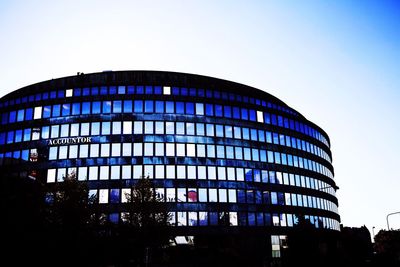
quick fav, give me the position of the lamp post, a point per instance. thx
(373, 232)
(387, 218)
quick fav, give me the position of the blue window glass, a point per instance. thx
(114, 196)
(24, 99)
(184, 91)
(189, 128)
(139, 90)
(4, 118)
(245, 114)
(229, 152)
(180, 108)
(237, 132)
(13, 116)
(246, 134)
(2, 138)
(209, 93)
(224, 96)
(157, 90)
(180, 128)
(25, 154)
(273, 119)
(106, 106)
(189, 108)
(10, 137)
(32, 97)
(228, 131)
(95, 90)
(200, 92)
(159, 106)
(220, 152)
(253, 133)
(217, 94)
(260, 219)
(236, 113)
(210, 129)
(227, 112)
(113, 90)
(246, 152)
(175, 91)
(103, 90)
(46, 111)
(238, 153)
(127, 106)
(60, 93)
(45, 96)
(45, 132)
(270, 157)
(213, 218)
(149, 106)
(261, 136)
(86, 107)
(169, 107)
(218, 111)
(209, 110)
(105, 128)
(267, 118)
(280, 121)
(250, 196)
(20, 115)
(252, 219)
(252, 114)
(53, 95)
(117, 106)
(17, 154)
(138, 106)
(77, 91)
(200, 129)
(56, 111)
(149, 90)
(86, 91)
(66, 109)
(18, 136)
(219, 130)
(76, 108)
(199, 109)
(96, 107)
(263, 155)
(131, 90)
(38, 97)
(254, 153)
(121, 90)
(192, 91)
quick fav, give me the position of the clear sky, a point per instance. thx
(336, 62)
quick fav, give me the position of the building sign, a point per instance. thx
(71, 140)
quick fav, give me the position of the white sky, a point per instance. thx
(336, 62)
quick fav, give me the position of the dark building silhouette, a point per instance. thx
(227, 157)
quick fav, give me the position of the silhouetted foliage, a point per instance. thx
(387, 247)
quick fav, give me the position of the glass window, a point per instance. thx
(137, 171)
(126, 149)
(180, 108)
(159, 106)
(159, 127)
(171, 172)
(180, 150)
(180, 128)
(105, 128)
(237, 132)
(189, 108)
(238, 152)
(137, 149)
(189, 128)
(210, 129)
(169, 127)
(160, 172)
(222, 195)
(232, 195)
(28, 114)
(13, 115)
(75, 129)
(94, 150)
(199, 109)
(229, 152)
(138, 127)
(103, 196)
(115, 172)
(213, 197)
(200, 129)
(219, 130)
(170, 149)
(73, 151)
(62, 152)
(95, 128)
(191, 150)
(20, 115)
(220, 152)
(105, 150)
(116, 127)
(86, 108)
(227, 112)
(66, 109)
(104, 172)
(169, 108)
(201, 150)
(218, 111)
(54, 131)
(211, 151)
(148, 127)
(106, 106)
(201, 172)
(96, 107)
(159, 149)
(37, 113)
(76, 108)
(148, 149)
(53, 153)
(115, 150)
(209, 110)
(126, 172)
(149, 106)
(127, 127)
(203, 195)
(212, 174)
(228, 131)
(85, 129)
(83, 151)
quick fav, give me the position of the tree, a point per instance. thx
(387, 247)
(146, 219)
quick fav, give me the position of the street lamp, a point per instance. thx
(387, 218)
(373, 233)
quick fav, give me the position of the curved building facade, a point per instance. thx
(222, 153)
